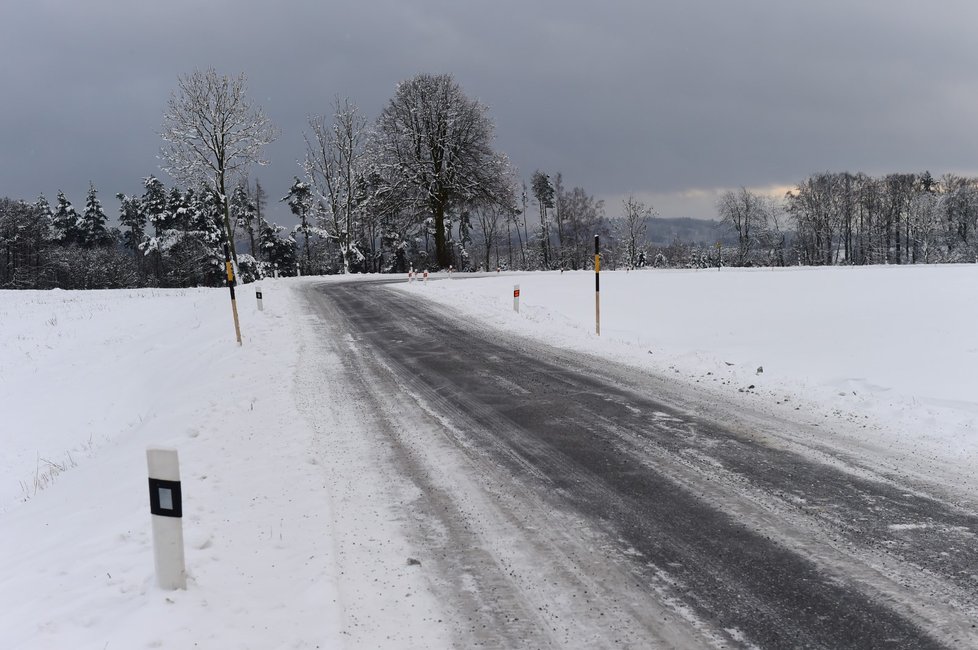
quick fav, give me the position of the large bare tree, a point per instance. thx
(743, 212)
(336, 165)
(212, 133)
(634, 221)
(435, 144)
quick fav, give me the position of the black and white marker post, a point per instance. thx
(166, 506)
(597, 287)
(258, 297)
(234, 304)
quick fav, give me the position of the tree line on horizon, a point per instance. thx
(856, 219)
(421, 186)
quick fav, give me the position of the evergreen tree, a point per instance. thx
(205, 219)
(24, 231)
(92, 230)
(300, 202)
(132, 217)
(44, 210)
(155, 212)
(179, 205)
(244, 213)
(65, 222)
(280, 252)
(155, 206)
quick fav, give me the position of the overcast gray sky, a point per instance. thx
(671, 101)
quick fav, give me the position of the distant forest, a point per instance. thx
(421, 187)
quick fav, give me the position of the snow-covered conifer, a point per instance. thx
(300, 201)
(91, 226)
(65, 222)
(155, 205)
(133, 219)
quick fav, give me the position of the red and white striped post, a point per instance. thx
(516, 298)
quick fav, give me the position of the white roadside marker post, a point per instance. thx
(166, 506)
(426, 275)
(516, 298)
(258, 297)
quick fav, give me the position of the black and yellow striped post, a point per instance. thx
(234, 303)
(597, 287)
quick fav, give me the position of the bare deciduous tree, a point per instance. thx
(743, 212)
(336, 165)
(583, 218)
(212, 133)
(501, 208)
(435, 144)
(634, 220)
(543, 190)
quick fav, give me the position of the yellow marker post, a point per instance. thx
(234, 303)
(597, 287)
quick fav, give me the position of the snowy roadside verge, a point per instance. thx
(96, 377)
(878, 361)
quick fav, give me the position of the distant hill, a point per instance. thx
(663, 231)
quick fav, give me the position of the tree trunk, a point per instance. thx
(228, 233)
(442, 254)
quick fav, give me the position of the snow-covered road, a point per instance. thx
(414, 466)
(553, 499)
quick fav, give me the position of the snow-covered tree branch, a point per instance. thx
(212, 133)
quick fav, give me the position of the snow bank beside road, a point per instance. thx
(885, 354)
(88, 380)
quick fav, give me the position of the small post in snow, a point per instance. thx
(166, 508)
(258, 297)
(597, 287)
(234, 304)
(516, 298)
(426, 275)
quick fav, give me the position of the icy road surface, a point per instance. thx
(554, 500)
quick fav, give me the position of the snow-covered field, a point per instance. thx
(88, 380)
(883, 358)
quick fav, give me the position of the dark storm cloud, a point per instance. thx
(671, 101)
